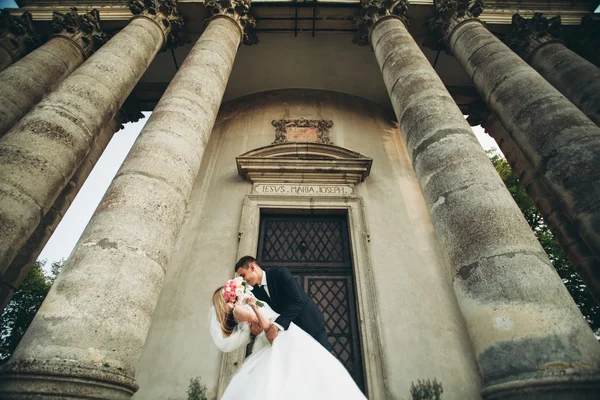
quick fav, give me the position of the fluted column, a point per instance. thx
(575, 77)
(580, 256)
(24, 83)
(559, 141)
(522, 321)
(39, 155)
(17, 37)
(21, 265)
(98, 313)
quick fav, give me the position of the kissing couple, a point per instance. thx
(290, 358)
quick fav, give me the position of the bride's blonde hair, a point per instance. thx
(224, 313)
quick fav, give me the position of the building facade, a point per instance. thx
(328, 137)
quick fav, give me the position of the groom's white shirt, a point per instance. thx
(263, 283)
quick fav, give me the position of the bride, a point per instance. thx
(295, 366)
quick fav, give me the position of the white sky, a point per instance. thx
(79, 214)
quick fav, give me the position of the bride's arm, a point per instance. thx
(263, 321)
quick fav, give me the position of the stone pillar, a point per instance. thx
(17, 37)
(39, 155)
(559, 141)
(90, 331)
(577, 251)
(571, 74)
(26, 82)
(21, 265)
(524, 326)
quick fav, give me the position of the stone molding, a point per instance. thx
(528, 35)
(82, 29)
(321, 125)
(239, 12)
(373, 11)
(18, 35)
(448, 15)
(304, 163)
(166, 15)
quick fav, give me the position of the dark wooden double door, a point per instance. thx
(316, 249)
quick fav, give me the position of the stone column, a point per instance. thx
(21, 265)
(577, 251)
(576, 78)
(26, 82)
(39, 155)
(559, 141)
(17, 37)
(524, 326)
(90, 331)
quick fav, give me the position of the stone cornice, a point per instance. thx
(450, 14)
(304, 162)
(17, 34)
(530, 34)
(373, 11)
(84, 30)
(165, 14)
(239, 12)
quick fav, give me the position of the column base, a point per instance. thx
(59, 379)
(561, 386)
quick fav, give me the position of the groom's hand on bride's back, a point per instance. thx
(272, 333)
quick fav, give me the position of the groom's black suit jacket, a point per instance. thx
(292, 304)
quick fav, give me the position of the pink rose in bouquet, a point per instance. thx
(237, 291)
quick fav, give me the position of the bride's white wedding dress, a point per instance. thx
(295, 366)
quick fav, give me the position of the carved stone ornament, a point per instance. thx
(529, 34)
(374, 10)
(166, 15)
(450, 13)
(301, 129)
(478, 113)
(83, 29)
(239, 11)
(17, 34)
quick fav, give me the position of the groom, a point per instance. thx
(279, 288)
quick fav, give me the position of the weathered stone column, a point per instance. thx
(24, 83)
(39, 155)
(559, 141)
(22, 263)
(575, 77)
(524, 326)
(577, 251)
(17, 37)
(90, 331)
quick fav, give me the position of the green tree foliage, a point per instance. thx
(426, 390)
(19, 313)
(575, 286)
(196, 391)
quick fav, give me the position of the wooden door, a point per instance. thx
(316, 249)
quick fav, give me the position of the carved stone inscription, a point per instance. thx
(304, 190)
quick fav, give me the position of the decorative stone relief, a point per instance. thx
(239, 11)
(130, 111)
(17, 34)
(302, 130)
(450, 13)
(529, 34)
(374, 10)
(166, 15)
(83, 29)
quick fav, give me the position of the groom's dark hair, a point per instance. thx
(244, 262)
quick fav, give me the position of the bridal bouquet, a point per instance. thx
(237, 291)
